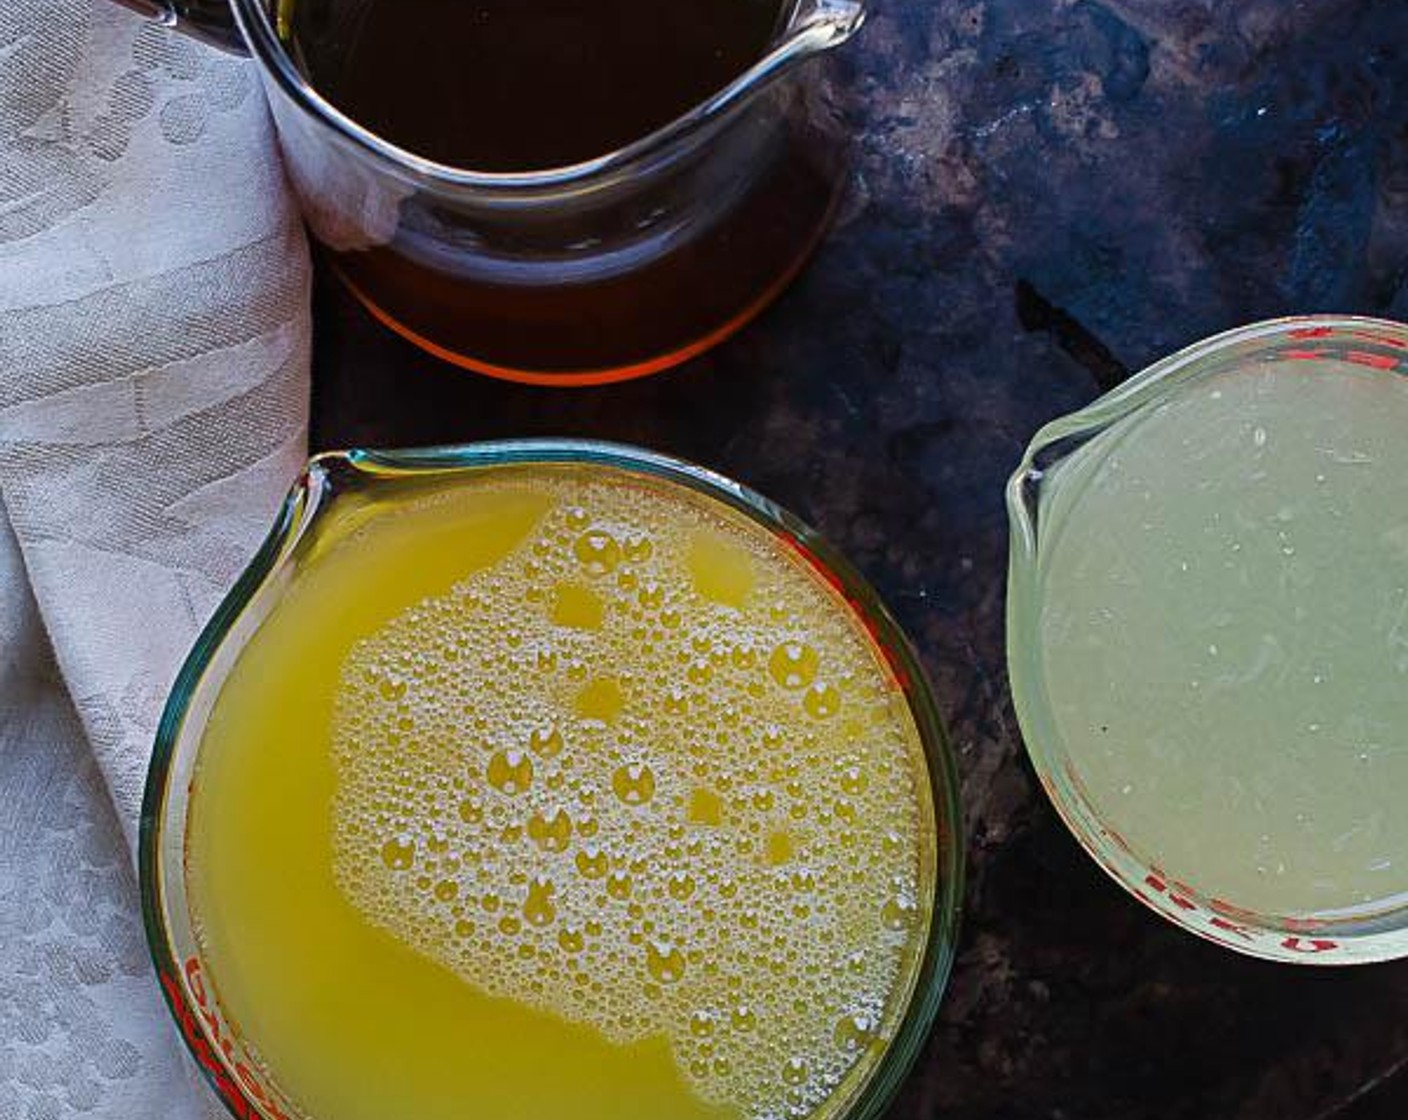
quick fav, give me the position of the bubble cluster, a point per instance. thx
(645, 775)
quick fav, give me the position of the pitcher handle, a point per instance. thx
(211, 21)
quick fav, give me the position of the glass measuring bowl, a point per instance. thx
(1048, 620)
(346, 485)
(611, 268)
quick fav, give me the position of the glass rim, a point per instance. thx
(1327, 938)
(836, 22)
(299, 510)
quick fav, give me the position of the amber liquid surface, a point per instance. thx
(523, 85)
(514, 86)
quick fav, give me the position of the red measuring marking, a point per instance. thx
(1373, 361)
(190, 1028)
(1177, 897)
(1230, 927)
(1381, 339)
(1312, 945)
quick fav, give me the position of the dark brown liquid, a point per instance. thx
(521, 85)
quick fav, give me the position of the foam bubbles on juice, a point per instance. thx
(644, 775)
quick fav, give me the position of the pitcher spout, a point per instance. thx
(815, 26)
(838, 20)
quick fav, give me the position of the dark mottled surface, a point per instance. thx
(1050, 193)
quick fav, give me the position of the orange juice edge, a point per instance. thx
(347, 971)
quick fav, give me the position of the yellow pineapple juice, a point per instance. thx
(559, 791)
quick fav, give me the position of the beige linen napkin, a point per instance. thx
(154, 341)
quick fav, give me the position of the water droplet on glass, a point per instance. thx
(511, 772)
(664, 962)
(853, 1032)
(392, 688)
(898, 913)
(793, 665)
(546, 742)
(538, 907)
(680, 885)
(822, 701)
(551, 831)
(705, 807)
(618, 885)
(399, 853)
(571, 940)
(577, 519)
(633, 783)
(447, 890)
(592, 862)
(779, 848)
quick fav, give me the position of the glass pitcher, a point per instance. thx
(611, 268)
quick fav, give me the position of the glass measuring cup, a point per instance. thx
(1205, 629)
(337, 494)
(607, 269)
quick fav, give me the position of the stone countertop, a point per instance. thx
(1049, 195)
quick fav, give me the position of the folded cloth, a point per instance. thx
(154, 338)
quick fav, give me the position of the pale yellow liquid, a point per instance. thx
(558, 792)
(1224, 634)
